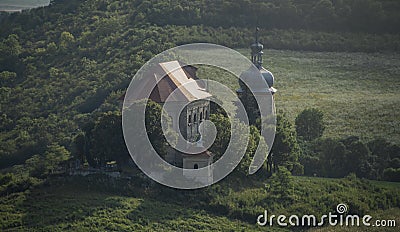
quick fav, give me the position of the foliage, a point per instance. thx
(223, 139)
(286, 149)
(40, 166)
(98, 201)
(338, 158)
(281, 184)
(250, 104)
(309, 124)
(54, 155)
(106, 140)
(153, 126)
(391, 174)
(327, 15)
(102, 138)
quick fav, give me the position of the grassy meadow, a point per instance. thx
(357, 92)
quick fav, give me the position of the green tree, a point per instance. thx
(66, 40)
(11, 46)
(223, 138)
(51, 48)
(80, 148)
(250, 104)
(10, 50)
(332, 156)
(103, 139)
(357, 157)
(223, 126)
(7, 78)
(107, 141)
(54, 156)
(153, 126)
(309, 124)
(383, 154)
(323, 15)
(391, 174)
(281, 184)
(254, 140)
(286, 149)
(367, 15)
(35, 166)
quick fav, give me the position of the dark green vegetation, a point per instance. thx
(63, 69)
(98, 203)
(309, 124)
(328, 157)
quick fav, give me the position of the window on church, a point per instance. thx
(201, 116)
(196, 166)
(190, 119)
(206, 115)
(194, 118)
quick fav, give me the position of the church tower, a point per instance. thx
(244, 93)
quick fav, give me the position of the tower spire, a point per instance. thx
(257, 30)
(257, 51)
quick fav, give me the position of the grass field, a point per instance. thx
(358, 92)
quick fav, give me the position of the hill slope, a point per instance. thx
(84, 204)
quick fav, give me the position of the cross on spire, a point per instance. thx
(257, 30)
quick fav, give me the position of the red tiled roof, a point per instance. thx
(175, 75)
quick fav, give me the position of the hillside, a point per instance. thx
(81, 204)
(64, 68)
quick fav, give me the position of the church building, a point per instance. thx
(176, 84)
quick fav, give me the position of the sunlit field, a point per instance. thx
(358, 92)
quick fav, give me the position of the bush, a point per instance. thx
(6, 178)
(391, 174)
(309, 124)
(281, 183)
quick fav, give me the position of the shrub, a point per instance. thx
(6, 178)
(391, 174)
(309, 124)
